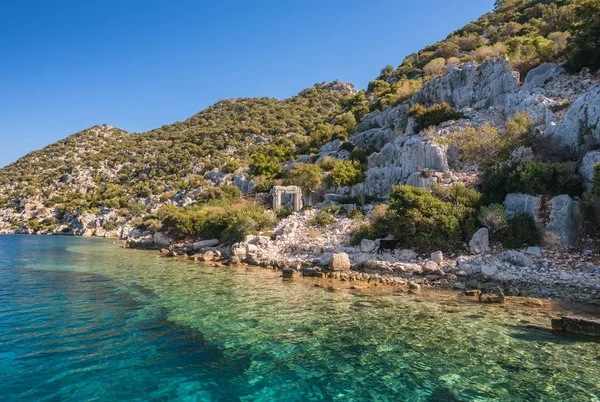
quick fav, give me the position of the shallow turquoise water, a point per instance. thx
(83, 319)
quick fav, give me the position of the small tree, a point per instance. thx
(435, 67)
(345, 173)
(305, 175)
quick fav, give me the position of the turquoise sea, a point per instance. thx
(84, 319)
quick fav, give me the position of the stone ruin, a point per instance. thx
(278, 191)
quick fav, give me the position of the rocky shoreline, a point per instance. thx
(298, 250)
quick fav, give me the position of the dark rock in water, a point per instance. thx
(491, 296)
(290, 274)
(577, 325)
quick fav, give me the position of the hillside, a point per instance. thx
(506, 105)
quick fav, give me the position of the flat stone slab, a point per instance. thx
(577, 325)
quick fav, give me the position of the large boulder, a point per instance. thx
(517, 258)
(367, 246)
(206, 243)
(480, 242)
(340, 262)
(587, 167)
(582, 119)
(522, 204)
(562, 229)
(160, 239)
(577, 325)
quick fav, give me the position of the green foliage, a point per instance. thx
(596, 181)
(305, 175)
(264, 165)
(171, 155)
(434, 115)
(323, 219)
(521, 232)
(425, 222)
(284, 212)
(345, 173)
(534, 178)
(493, 217)
(231, 166)
(585, 45)
(225, 193)
(229, 223)
(364, 231)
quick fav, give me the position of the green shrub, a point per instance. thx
(434, 115)
(305, 175)
(585, 44)
(364, 231)
(493, 217)
(230, 223)
(520, 232)
(224, 193)
(345, 173)
(534, 178)
(284, 212)
(596, 182)
(424, 222)
(264, 165)
(323, 219)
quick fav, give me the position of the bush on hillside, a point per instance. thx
(493, 217)
(585, 44)
(433, 115)
(345, 173)
(229, 224)
(520, 232)
(534, 178)
(305, 175)
(323, 219)
(224, 193)
(424, 222)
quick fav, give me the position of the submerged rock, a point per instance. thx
(577, 325)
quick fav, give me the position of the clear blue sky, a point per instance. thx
(139, 64)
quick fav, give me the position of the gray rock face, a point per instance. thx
(245, 186)
(367, 246)
(391, 118)
(397, 161)
(587, 167)
(581, 120)
(417, 180)
(562, 228)
(407, 255)
(480, 242)
(541, 74)
(522, 204)
(332, 149)
(376, 138)
(471, 85)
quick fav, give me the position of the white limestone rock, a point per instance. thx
(480, 242)
(586, 169)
